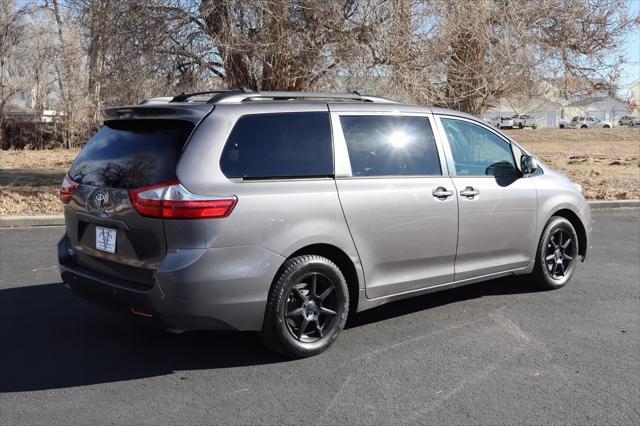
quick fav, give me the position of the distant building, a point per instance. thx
(607, 108)
(560, 100)
(21, 107)
(634, 100)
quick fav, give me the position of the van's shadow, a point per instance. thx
(50, 339)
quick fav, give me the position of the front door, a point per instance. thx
(497, 206)
(400, 207)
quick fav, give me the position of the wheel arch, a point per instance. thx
(341, 259)
(575, 220)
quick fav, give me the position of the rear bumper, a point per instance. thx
(213, 289)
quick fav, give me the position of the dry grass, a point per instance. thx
(605, 161)
(29, 181)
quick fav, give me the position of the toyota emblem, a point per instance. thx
(100, 199)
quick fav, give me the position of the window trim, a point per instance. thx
(279, 178)
(342, 161)
(449, 154)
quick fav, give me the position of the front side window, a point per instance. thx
(282, 145)
(477, 151)
(390, 145)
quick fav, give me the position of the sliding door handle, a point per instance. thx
(442, 193)
(469, 192)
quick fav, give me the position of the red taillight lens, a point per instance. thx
(172, 201)
(67, 189)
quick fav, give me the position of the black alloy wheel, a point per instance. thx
(307, 307)
(311, 308)
(557, 254)
(560, 253)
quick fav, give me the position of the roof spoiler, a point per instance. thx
(158, 110)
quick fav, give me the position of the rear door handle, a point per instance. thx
(442, 193)
(469, 192)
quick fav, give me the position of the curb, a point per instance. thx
(616, 204)
(28, 221)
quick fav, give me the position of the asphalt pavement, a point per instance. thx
(499, 352)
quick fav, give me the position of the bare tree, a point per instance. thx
(12, 66)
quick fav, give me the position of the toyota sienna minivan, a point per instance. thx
(285, 212)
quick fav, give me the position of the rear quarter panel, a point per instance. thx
(280, 215)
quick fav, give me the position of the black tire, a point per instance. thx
(620, 123)
(584, 126)
(301, 299)
(520, 126)
(534, 126)
(555, 265)
(606, 126)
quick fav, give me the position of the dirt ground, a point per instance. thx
(605, 161)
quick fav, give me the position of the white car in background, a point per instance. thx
(493, 121)
(506, 123)
(588, 122)
(524, 120)
(628, 120)
(500, 122)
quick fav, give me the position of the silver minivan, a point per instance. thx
(285, 212)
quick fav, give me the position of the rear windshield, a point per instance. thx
(132, 154)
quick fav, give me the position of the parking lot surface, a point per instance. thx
(499, 352)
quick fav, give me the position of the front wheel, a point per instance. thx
(606, 126)
(557, 254)
(584, 126)
(534, 126)
(307, 307)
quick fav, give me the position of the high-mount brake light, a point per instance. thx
(67, 189)
(171, 200)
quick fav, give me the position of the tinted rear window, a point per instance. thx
(278, 146)
(132, 154)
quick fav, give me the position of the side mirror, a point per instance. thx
(528, 164)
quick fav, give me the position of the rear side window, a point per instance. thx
(132, 154)
(278, 145)
(390, 146)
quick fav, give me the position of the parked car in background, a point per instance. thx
(494, 121)
(284, 214)
(563, 124)
(628, 120)
(588, 123)
(524, 120)
(506, 123)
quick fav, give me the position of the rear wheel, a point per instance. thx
(584, 126)
(606, 126)
(520, 126)
(534, 126)
(307, 307)
(557, 254)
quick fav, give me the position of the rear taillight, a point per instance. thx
(171, 200)
(67, 189)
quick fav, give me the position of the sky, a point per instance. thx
(631, 70)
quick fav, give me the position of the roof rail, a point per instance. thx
(242, 96)
(183, 97)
